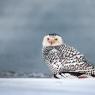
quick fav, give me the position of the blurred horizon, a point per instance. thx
(23, 24)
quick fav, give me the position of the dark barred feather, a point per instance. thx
(64, 58)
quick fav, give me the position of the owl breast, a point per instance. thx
(52, 58)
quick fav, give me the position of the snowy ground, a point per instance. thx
(33, 86)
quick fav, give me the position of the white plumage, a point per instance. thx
(64, 60)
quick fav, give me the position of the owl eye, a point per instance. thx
(56, 39)
(47, 38)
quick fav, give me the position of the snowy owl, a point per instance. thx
(64, 60)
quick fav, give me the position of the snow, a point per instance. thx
(46, 86)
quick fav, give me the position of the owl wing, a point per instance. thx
(75, 62)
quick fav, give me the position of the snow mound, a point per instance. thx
(13, 74)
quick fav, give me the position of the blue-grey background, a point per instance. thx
(23, 23)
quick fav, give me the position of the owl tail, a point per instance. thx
(65, 76)
(91, 72)
(85, 73)
(77, 74)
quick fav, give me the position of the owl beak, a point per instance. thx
(51, 41)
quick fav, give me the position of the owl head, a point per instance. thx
(52, 40)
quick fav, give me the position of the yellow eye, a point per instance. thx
(56, 39)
